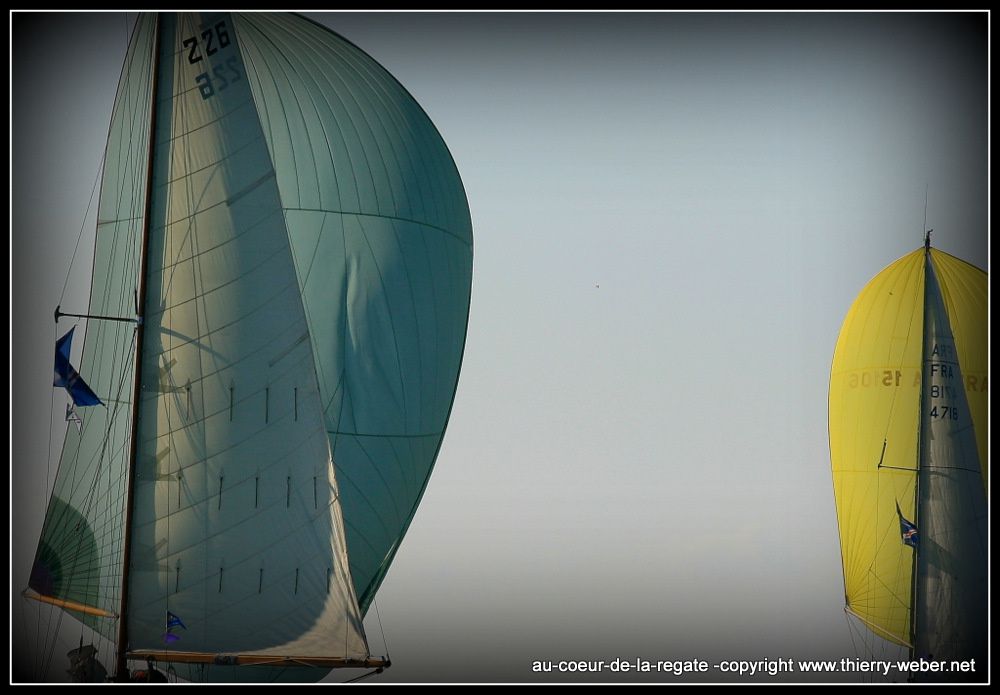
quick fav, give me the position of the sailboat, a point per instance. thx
(908, 445)
(276, 323)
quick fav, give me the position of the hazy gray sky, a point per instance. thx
(672, 214)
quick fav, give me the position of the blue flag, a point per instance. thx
(70, 379)
(173, 621)
(907, 530)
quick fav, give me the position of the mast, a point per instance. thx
(921, 444)
(121, 663)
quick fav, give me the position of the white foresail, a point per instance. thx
(950, 603)
(381, 238)
(237, 528)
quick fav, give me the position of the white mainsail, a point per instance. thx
(951, 579)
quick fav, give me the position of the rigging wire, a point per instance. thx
(363, 676)
(62, 296)
(116, 340)
(909, 328)
(384, 642)
(871, 647)
(48, 472)
(83, 225)
(51, 641)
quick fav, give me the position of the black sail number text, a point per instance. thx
(211, 41)
(222, 76)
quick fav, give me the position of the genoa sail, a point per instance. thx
(306, 294)
(904, 433)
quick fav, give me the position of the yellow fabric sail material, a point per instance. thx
(874, 424)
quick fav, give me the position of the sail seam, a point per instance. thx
(381, 216)
(385, 435)
(333, 510)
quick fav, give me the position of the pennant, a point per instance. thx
(172, 622)
(907, 530)
(70, 379)
(73, 416)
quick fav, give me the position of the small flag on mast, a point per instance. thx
(907, 530)
(70, 379)
(73, 416)
(172, 621)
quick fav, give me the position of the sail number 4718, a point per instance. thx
(944, 412)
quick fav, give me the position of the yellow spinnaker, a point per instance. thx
(874, 415)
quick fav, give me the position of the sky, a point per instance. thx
(672, 215)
